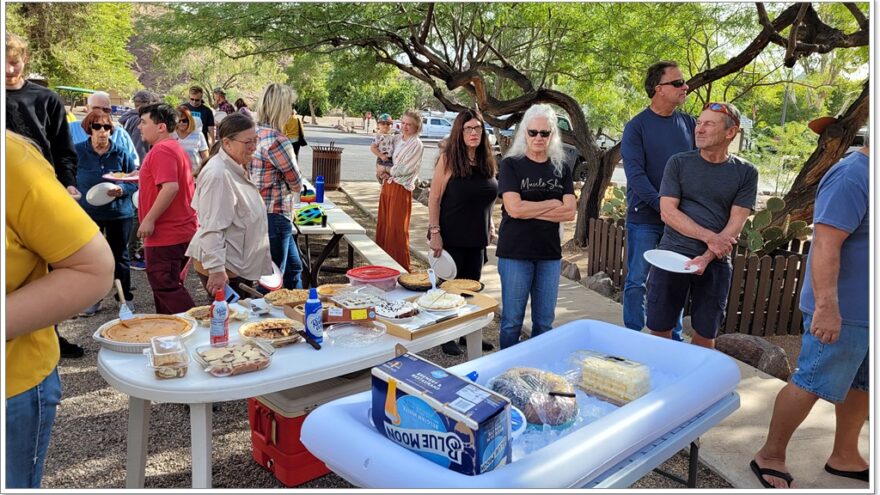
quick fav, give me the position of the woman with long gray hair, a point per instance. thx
(275, 172)
(232, 242)
(537, 194)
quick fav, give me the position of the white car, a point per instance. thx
(435, 127)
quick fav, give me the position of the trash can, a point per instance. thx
(327, 161)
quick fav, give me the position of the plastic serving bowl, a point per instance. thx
(381, 277)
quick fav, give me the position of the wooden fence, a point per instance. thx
(764, 291)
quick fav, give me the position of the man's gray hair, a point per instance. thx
(555, 151)
(97, 94)
(144, 97)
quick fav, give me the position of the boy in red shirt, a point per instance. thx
(167, 219)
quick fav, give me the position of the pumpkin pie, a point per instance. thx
(140, 329)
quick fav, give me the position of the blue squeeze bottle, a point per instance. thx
(314, 310)
(319, 189)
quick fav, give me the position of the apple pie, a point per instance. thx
(415, 281)
(462, 284)
(281, 297)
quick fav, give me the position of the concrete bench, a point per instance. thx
(371, 251)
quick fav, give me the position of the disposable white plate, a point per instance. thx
(444, 266)
(668, 260)
(274, 281)
(134, 199)
(324, 206)
(97, 195)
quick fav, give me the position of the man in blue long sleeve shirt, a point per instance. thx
(649, 139)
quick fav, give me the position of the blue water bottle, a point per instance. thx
(319, 189)
(314, 310)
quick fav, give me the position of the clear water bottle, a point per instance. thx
(219, 320)
(314, 310)
(319, 189)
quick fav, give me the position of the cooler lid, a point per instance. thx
(373, 272)
(301, 400)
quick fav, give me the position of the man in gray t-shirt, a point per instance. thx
(705, 198)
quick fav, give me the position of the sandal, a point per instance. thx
(856, 475)
(761, 472)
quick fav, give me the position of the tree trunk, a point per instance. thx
(833, 143)
(312, 111)
(598, 179)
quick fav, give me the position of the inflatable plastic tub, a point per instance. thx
(685, 380)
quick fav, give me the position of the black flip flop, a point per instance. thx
(761, 472)
(856, 475)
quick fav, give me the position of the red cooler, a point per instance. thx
(276, 420)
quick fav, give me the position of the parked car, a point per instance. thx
(435, 127)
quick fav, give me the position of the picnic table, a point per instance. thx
(291, 367)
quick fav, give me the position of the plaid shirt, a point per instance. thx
(274, 169)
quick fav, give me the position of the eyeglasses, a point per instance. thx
(183, 121)
(722, 108)
(104, 109)
(535, 132)
(249, 142)
(475, 129)
(675, 84)
(98, 127)
(195, 100)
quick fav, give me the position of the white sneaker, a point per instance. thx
(91, 310)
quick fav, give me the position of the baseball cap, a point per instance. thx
(384, 118)
(819, 125)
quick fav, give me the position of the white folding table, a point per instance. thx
(339, 224)
(291, 367)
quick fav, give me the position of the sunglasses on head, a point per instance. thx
(535, 132)
(105, 109)
(98, 127)
(721, 108)
(675, 84)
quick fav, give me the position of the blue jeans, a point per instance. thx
(282, 247)
(640, 237)
(29, 418)
(519, 280)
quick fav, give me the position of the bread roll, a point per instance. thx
(529, 390)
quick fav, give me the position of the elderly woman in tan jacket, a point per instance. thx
(232, 242)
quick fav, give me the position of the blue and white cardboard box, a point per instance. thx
(442, 417)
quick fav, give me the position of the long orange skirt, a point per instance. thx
(392, 226)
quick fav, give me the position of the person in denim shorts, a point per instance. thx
(833, 363)
(705, 198)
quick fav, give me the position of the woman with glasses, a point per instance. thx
(537, 194)
(395, 199)
(193, 142)
(96, 157)
(276, 174)
(232, 242)
(463, 191)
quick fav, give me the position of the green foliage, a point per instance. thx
(78, 44)
(393, 95)
(780, 151)
(763, 239)
(614, 203)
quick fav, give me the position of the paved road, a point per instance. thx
(358, 163)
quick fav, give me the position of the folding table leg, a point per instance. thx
(201, 424)
(693, 463)
(138, 439)
(474, 341)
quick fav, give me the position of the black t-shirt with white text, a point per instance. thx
(531, 239)
(205, 114)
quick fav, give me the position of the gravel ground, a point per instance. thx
(87, 450)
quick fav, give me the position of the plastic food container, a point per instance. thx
(168, 357)
(381, 277)
(234, 359)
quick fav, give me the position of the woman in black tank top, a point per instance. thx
(463, 191)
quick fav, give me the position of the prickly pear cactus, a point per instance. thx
(762, 238)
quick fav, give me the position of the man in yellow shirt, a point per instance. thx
(44, 226)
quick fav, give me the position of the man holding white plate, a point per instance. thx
(705, 198)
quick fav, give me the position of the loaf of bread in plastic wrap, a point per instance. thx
(611, 378)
